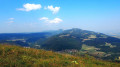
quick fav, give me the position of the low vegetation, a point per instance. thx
(15, 56)
(91, 50)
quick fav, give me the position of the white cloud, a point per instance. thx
(55, 20)
(29, 7)
(44, 18)
(53, 9)
(11, 20)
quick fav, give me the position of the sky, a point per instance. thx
(17, 16)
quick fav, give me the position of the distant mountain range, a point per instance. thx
(72, 40)
(26, 39)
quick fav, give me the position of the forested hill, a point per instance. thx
(90, 42)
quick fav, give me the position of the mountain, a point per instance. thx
(14, 56)
(26, 39)
(85, 42)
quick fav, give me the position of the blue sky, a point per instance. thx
(41, 15)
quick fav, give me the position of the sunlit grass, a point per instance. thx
(14, 56)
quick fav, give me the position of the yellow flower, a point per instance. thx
(75, 62)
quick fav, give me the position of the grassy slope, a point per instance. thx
(14, 56)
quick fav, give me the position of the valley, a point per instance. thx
(74, 41)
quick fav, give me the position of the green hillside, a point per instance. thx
(14, 56)
(92, 43)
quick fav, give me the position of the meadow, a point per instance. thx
(15, 56)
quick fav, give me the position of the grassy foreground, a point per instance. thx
(14, 56)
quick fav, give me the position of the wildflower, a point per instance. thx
(75, 62)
